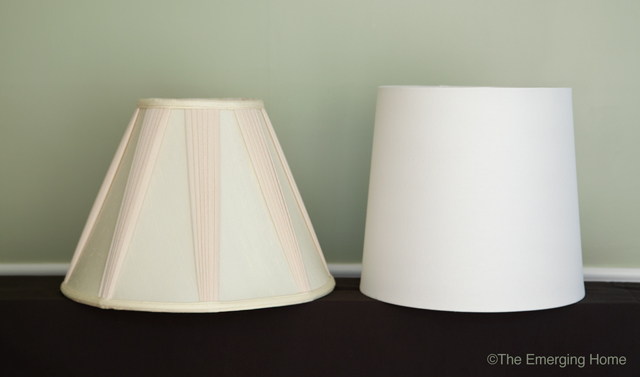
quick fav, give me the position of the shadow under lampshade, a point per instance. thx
(198, 212)
(473, 200)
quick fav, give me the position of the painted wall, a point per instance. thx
(72, 71)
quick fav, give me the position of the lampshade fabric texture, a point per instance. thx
(473, 201)
(199, 212)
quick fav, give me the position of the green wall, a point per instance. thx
(72, 71)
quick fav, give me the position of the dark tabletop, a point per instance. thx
(42, 333)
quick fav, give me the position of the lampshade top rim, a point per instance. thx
(200, 103)
(452, 87)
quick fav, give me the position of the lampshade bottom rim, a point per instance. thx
(199, 307)
(483, 309)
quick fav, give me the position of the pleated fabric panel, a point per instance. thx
(249, 121)
(102, 194)
(151, 134)
(203, 151)
(294, 187)
(198, 212)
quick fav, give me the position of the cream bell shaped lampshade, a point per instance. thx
(199, 212)
(473, 200)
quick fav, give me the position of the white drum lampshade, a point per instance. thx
(198, 212)
(473, 201)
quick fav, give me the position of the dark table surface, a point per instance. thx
(42, 333)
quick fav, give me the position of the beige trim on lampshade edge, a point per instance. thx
(199, 307)
(201, 103)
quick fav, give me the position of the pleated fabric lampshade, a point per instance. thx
(473, 200)
(198, 212)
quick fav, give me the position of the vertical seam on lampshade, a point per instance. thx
(193, 189)
(213, 126)
(215, 118)
(201, 256)
(203, 133)
(151, 135)
(105, 188)
(255, 142)
(294, 187)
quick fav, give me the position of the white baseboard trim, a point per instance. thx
(629, 275)
(339, 270)
(345, 270)
(33, 269)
